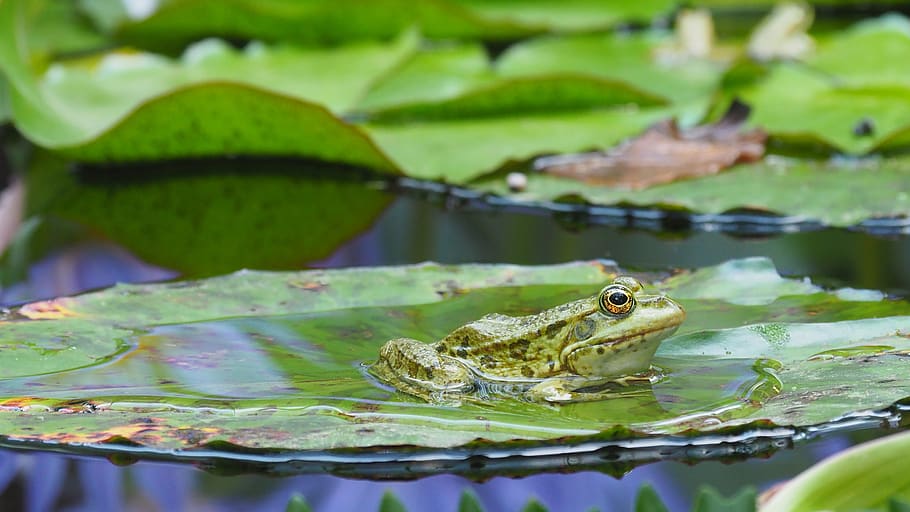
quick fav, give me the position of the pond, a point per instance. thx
(418, 228)
(484, 255)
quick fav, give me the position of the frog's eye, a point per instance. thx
(616, 299)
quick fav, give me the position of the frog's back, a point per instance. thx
(504, 346)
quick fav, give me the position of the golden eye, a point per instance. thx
(616, 299)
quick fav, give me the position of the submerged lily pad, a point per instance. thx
(276, 360)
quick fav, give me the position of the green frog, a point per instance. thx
(561, 354)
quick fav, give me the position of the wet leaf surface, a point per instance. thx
(276, 360)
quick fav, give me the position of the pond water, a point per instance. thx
(413, 229)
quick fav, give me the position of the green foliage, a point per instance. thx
(648, 500)
(391, 503)
(709, 500)
(870, 476)
(534, 506)
(297, 503)
(469, 502)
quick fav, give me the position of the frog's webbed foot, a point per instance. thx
(570, 389)
(416, 368)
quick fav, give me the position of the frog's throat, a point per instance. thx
(617, 356)
(659, 332)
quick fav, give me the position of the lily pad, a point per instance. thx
(436, 73)
(631, 59)
(191, 110)
(575, 15)
(857, 76)
(458, 150)
(798, 105)
(276, 360)
(869, 53)
(814, 190)
(314, 22)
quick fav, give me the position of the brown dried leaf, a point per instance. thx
(664, 153)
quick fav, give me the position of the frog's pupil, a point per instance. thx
(618, 298)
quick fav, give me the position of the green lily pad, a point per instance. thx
(869, 53)
(632, 59)
(60, 28)
(837, 193)
(797, 104)
(313, 22)
(436, 73)
(208, 108)
(276, 360)
(551, 94)
(575, 15)
(857, 75)
(458, 150)
(178, 22)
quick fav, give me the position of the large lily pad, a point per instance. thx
(275, 360)
(208, 108)
(814, 190)
(181, 21)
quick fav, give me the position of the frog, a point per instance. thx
(568, 353)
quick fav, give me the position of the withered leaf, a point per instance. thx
(664, 153)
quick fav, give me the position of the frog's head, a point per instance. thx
(621, 332)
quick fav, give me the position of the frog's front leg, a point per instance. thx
(418, 369)
(565, 389)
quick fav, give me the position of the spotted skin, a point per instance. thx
(552, 353)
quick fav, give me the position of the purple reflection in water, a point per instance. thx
(84, 267)
(47, 472)
(101, 484)
(575, 492)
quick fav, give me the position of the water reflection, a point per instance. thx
(413, 231)
(43, 481)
